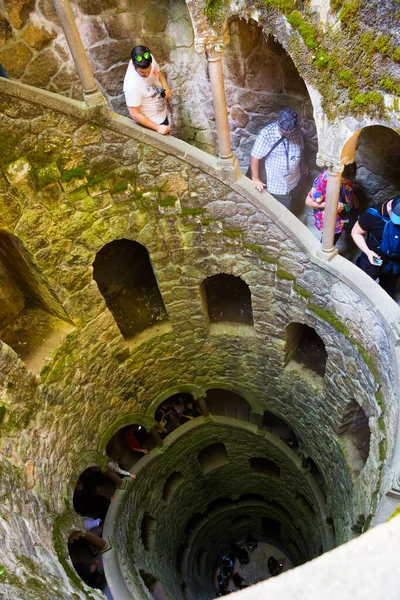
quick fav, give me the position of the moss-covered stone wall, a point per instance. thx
(74, 180)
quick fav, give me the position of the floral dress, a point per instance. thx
(318, 195)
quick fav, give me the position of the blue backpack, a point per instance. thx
(390, 243)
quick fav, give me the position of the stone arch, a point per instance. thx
(129, 419)
(281, 428)
(260, 84)
(226, 299)
(172, 391)
(129, 444)
(228, 403)
(92, 493)
(131, 292)
(212, 457)
(32, 320)
(174, 411)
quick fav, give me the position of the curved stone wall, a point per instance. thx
(75, 179)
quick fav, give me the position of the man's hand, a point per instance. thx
(132, 475)
(258, 184)
(168, 92)
(163, 129)
(340, 206)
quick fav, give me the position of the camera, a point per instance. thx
(161, 92)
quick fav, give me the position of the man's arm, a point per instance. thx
(358, 237)
(255, 177)
(164, 84)
(138, 116)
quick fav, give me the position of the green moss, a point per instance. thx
(335, 5)
(321, 59)
(382, 45)
(306, 30)
(281, 274)
(369, 101)
(97, 179)
(192, 211)
(268, 259)
(396, 55)
(349, 11)
(379, 398)
(390, 85)
(231, 233)
(46, 175)
(283, 5)
(214, 10)
(120, 187)
(168, 201)
(339, 326)
(382, 450)
(301, 291)
(206, 222)
(394, 514)
(2, 412)
(253, 248)
(73, 174)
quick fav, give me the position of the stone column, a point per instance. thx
(213, 50)
(95, 540)
(331, 206)
(119, 482)
(156, 437)
(203, 406)
(91, 92)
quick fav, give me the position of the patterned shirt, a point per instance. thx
(318, 195)
(283, 165)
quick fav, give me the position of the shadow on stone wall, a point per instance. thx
(378, 158)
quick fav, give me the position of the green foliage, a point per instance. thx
(281, 274)
(168, 201)
(97, 179)
(306, 30)
(73, 174)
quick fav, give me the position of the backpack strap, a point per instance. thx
(273, 148)
(376, 213)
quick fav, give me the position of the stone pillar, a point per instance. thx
(119, 482)
(91, 92)
(156, 437)
(203, 406)
(331, 206)
(213, 50)
(95, 540)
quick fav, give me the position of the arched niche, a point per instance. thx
(125, 277)
(354, 436)
(175, 411)
(230, 404)
(92, 493)
(129, 444)
(148, 530)
(173, 482)
(279, 427)
(376, 150)
(84, 556)
(260, 80)
(304, 347)
(212, 457)
(32, 320)
(226, 299)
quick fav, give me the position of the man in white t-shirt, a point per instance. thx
(146, 91)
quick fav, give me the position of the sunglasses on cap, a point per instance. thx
(140, 57)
